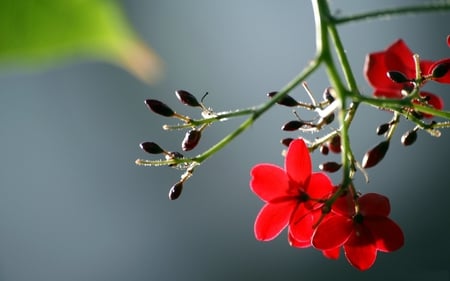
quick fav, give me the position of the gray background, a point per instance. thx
(73, 206)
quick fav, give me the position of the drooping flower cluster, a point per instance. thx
(299, 199)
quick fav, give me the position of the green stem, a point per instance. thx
(423, 8)
(260, 110)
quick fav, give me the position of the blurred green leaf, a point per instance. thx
(37, 32)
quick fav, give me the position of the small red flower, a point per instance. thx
(398, 57)
(361, 233)
(290, 195)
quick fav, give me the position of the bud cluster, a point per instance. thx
(194, 129)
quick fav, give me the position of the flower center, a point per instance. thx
(303, 196)
(358, 218)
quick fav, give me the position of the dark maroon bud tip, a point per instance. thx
(159, 108)
(151, 147)
(327, 119)
(335, 144)
(191, 140)
(327, 95)
(286, 100)
(175, 190)
(440, 70)
(375, 155)
(383, 128)
(292, 125)
(287, 141)
(187, 98)
(409, 137)
(330, 167)
(324, 149)
(397, 77)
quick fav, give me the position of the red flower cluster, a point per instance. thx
(399, 58)
(294, 197)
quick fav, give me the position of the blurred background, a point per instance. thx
(74, 206)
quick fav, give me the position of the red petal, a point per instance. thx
(272, 219)
(446, 78)
(320, 186)
(426, 66)
(298, 162)
(400, 58)
(448, 41)
(269, 181)
(433, 100)
(360, 249)
(387, 234)
(375, 71)
(297, 243)
(332, 253)
(373, 204)
(344, 205)
(332, 232)
(302, 222)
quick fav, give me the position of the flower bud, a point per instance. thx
(440, 70)
(191, 139)
(324, 149)
(286, 100)
(151, 147)
(175, 190)
(292, 125)
(397, 77)
(187, 98)
(330, 167)
(383, 128)
(327, 95)
(287, 141)
(375, 155)
(335, 144)
(159, 108)
(409, 137)
(327, 119)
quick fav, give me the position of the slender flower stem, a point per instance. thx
(422, 8)
(259, 111)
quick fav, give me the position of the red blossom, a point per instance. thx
(291, 196)
(361, 234)
(398, 57)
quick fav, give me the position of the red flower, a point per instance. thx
(398, 57)
(290, 195)
(361, 233)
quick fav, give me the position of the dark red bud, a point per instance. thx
(324, 149)
(175, 190)
(292, 125)
(159, 107)
(335, 144)
(151, 147)
(440, 70)
(287, 141)
(191, 140)
(327, 119)
(286, 100)
(383, 128)
(375, 155)
(330, 167)
(187, 98)
(327, 95)
(397, 77)
(409, 137)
